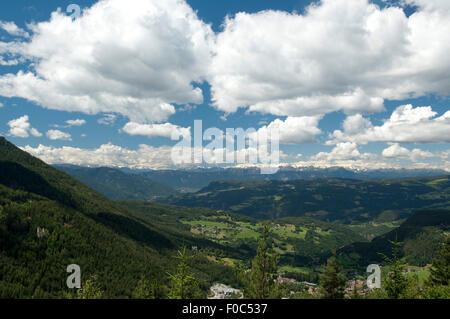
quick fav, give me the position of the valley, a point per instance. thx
(120, 243)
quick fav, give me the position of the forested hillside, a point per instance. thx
(117, 185)
(78, 226)
(421, 236)
(343, 200)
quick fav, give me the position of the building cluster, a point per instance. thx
(41, 233)
(221, 291)
(313, 288)
(359, 285)
(205, 230)
(283, 280)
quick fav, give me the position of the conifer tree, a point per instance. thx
(261, 279)
(90, 289)
(143, 290)
(333, 280)
(396, 283)
(440, 270)
(183, 284)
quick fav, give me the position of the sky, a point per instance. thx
(353, 83)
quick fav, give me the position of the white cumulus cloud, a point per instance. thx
(348, 155)
(8, 62)
(154, 130)
(294, 130)
(21, 127)
(342, 151)
(70, 123)
(406, 125)
(58, 135)
(137, 59)
(107, 119)
(145, 157)
(13, 29)
(77, 122)
(398, 152)
(345, 55)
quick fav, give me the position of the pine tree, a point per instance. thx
(440, 270)
(396, 283)
(333, 280)
(438, 285)
(183, 284)
(90, 289)
(143, 290)
(261, 280)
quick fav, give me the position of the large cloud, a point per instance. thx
(136, 59)
(139, 60)
(406, 125)
(345, 55)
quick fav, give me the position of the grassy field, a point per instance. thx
(437, 181)
(373, 229)
(223, 229)
(422, 273)
(298, 270)
(298, 241)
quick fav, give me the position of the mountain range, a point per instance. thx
(328, 199)
(192, 180)
(117, 185)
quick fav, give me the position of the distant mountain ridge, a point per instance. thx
(117, 185)
(344, 200)
(194, 179)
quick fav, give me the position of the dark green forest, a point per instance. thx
(81, 227)
(343, 200)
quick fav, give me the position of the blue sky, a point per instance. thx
(336, 79)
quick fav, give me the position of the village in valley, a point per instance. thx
(358, 287)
